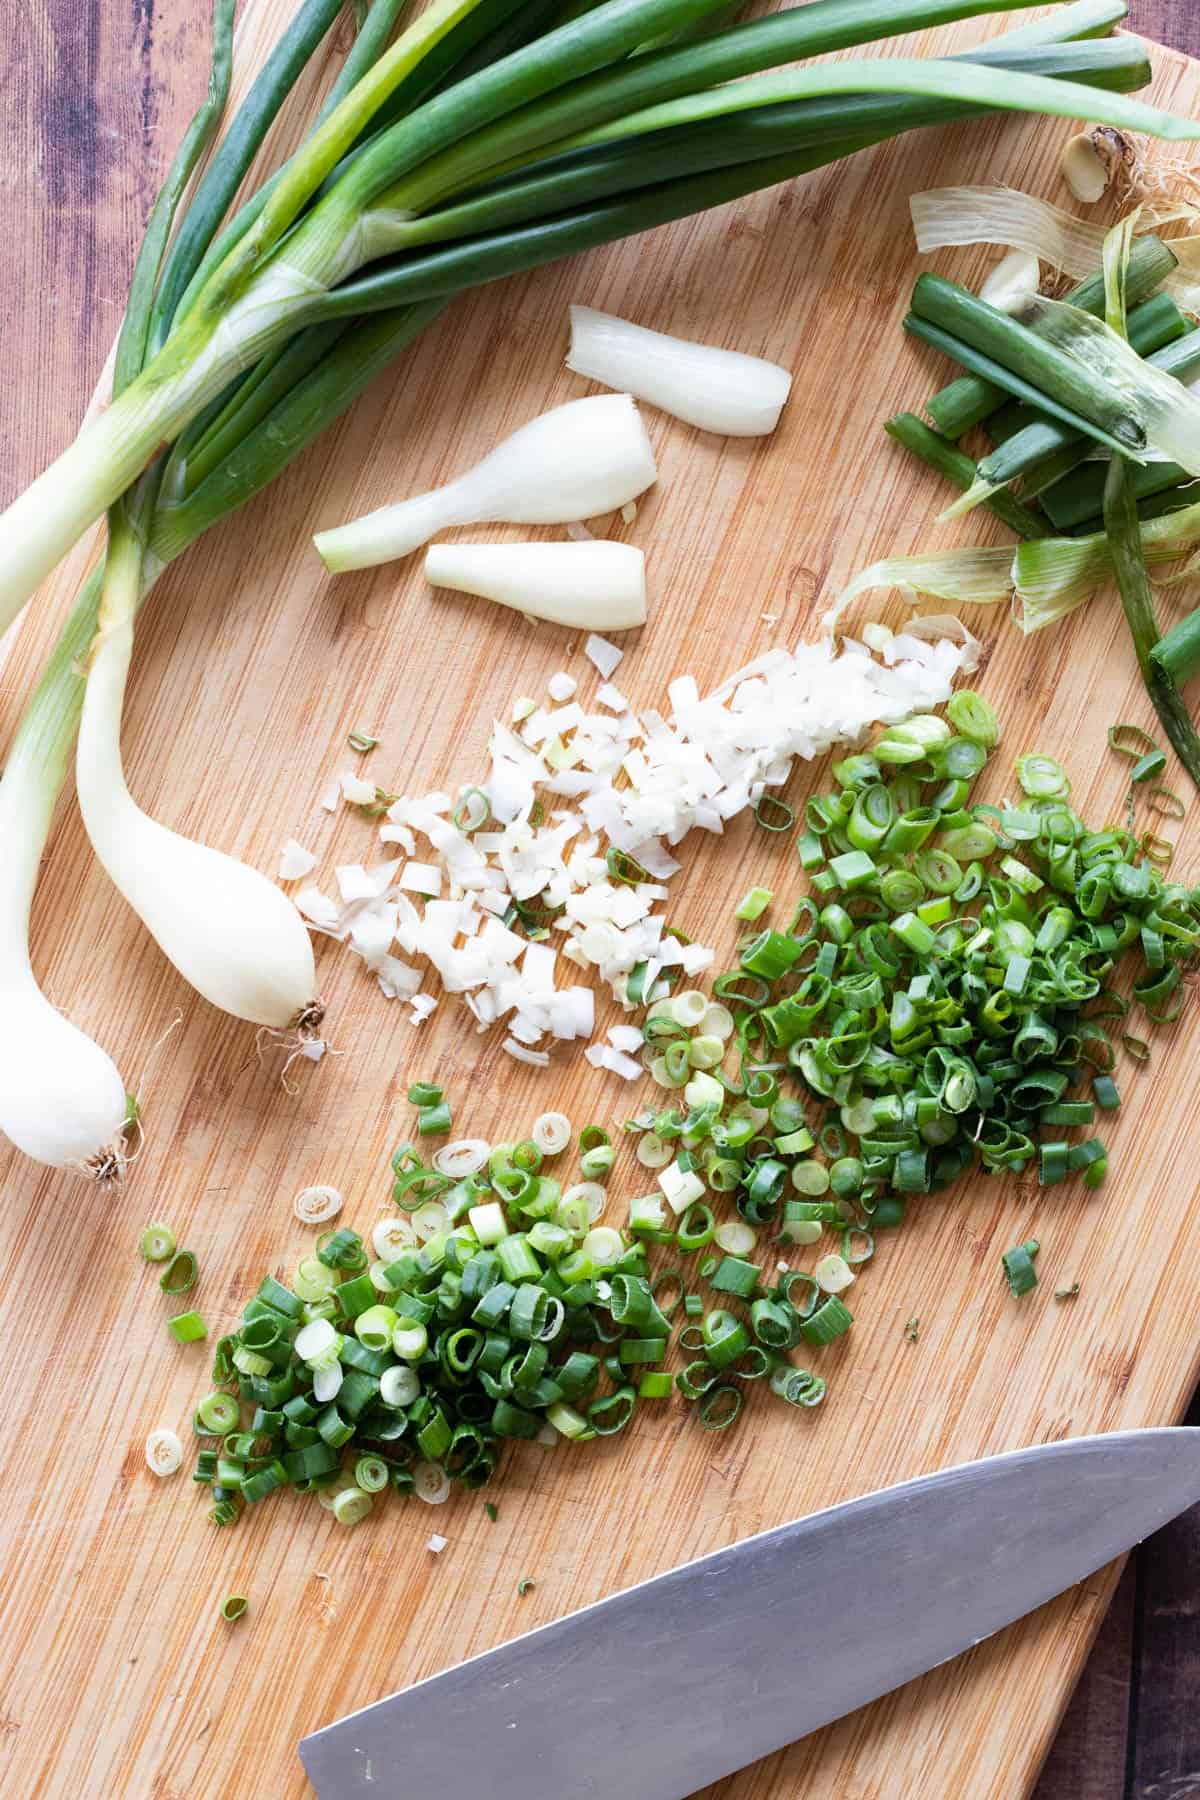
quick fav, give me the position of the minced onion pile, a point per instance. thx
(572, 830)
(939, 998)
(498, 1320)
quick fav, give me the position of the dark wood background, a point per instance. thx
(93, 96)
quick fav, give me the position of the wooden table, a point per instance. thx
(92, 100)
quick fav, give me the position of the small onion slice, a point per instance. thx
(594, 1193)
(164, 1452)
(313, 1205)
(552, 1132)
(735, 1237)
(392, 1237)
(466, 1156)
(430, 1483)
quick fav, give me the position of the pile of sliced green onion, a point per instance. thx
(512, 1315)
(938, 1000)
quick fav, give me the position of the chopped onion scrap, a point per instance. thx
(584, 808)
(945, 217)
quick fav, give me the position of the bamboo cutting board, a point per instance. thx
(118, 1677)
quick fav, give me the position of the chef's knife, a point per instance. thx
(659, 1690)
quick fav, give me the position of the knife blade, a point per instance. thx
(667, 1686)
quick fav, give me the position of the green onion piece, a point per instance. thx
(180, 1273)
(157, 1242)
(524, 1586)
(492, 1510)
(362, 742)
(1018, 1267)
(912, 1330)
(187, 1328)
(774, 814)
(655, 1384)
(425, 1093)
(350, 1506)
(973, 717)
(754, 904)
(1130, 740)
(1166, 803)
(720, 1406)
(830, 1320)
(1067, 1293)
(218, 1413)
(233, 1607)
(1153, 763)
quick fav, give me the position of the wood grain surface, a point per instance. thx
(116, 1675)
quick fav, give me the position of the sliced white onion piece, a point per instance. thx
(437, 1543)
(717, 1022)
(399, 1387)
(430, 1220)
(466, 1156)
(551, 1133)
(652, 1152)
(164, 1452)
(719, 390)
(736, 1237)
(430, 1483)
(313, 1205)
(833, 1274)
(594, 1196)
(574, 462)
(599, 586)
(312, 1341)
(488, 1222)
(327, 1383)
(603, 1246)
(392, 1237)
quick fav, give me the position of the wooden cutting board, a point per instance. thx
(119, 1678)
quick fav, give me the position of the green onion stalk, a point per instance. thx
(348, 197)
(1137, 600)
(463, 151)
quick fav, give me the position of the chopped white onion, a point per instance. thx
(735, 1237)
(593, 1193)
(551, 1133)
(833, 1274)
(295, 861)
(399, 1387)
(718, 390)
(164, 1452)
(561, 686)
(314, 1340)
(313, 1205)
(430, 1220)
(602, 654)
(652, 1152)
(466, 1156)
(327, 1382)
(430, 1483)
(437, 1543)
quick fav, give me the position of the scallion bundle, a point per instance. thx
(484, 139)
